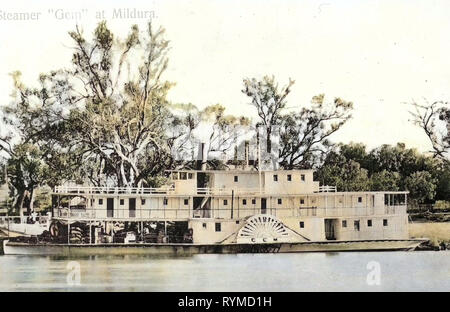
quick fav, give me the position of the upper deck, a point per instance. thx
(168, 191)
(224, 194)
(218, 182)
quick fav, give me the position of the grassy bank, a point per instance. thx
(435, 231)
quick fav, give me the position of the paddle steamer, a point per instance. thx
(221, 211)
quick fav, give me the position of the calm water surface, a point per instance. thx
(399, 271)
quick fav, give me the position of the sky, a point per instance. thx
(381, 55)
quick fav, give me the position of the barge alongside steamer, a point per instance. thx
(226, 211)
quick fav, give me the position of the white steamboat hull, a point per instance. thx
(15, 248)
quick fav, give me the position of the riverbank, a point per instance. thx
(437, 232)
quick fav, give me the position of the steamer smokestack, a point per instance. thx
(202, 157)
(247, 151)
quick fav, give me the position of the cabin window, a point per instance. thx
(218, 227)
(190, 175)
(289, 177)
(142, 201)
(244, 202)
(237, 221)
(359, 199)
(174, 175)
(165, 201)
(386, 199)
(385, 222)
(253, 201)
(280, 201)
(302, 201)
(183, 175)
(122, 202)
(225, 202)
(356, 225)
(100, 201)
(369, 222)
(186, 201)
(302, 224)
(344, 223)
(204, 225)
(275, 177)
(302, 178)
(236, 178)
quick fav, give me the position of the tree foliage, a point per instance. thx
(345, 174)
(422, 186)
(385, 181)
(304, 136)
(388, 168)
(434, 119)
(269, 100)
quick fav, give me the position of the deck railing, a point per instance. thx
(327, 188)
(112, 190)
(174, 213)
(229, 191)
(86, 190)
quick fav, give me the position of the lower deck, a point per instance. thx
(252, 229)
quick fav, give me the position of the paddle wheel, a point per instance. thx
(263, 229)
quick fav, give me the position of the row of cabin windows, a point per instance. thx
(355, 224)
(244, 201)
(182, 176)
(122, 201)
(225, 201)
(275, 178)
(289, 177)
(279, 201)
(186, 201)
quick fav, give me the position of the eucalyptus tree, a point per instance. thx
(434, 119)
(103, 118)
(269, 100)
(124, 108)
(110, 105)
(30, 144)
(304, 135)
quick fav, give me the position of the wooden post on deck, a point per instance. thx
(90, 232)
(68, 232)
(232, 202)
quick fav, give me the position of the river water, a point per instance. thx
(351, 271)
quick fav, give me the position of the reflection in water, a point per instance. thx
(400, 271)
